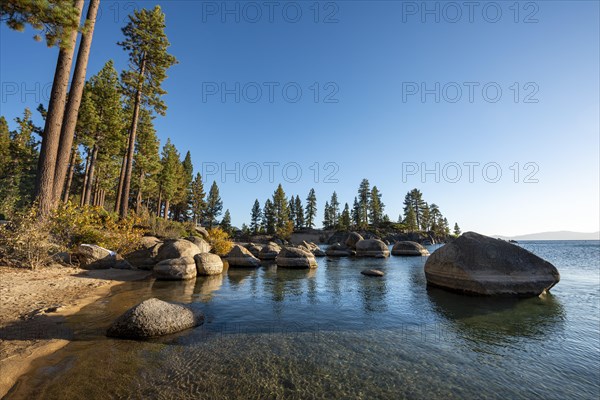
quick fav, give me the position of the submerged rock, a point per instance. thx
(408, 248)
(208, 264)
(154, 317)
(372, 272)
(270, 251)
(91, 256)
(240, 257)
(176, 269)
(371, 248)
(481, 265)
(176, 249)
(294, 257)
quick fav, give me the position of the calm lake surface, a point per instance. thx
(334, 333)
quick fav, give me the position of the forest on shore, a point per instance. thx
(96, 171)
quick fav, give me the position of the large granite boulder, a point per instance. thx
(208, 264)
(338, 250)
(177, 249)
(352, 239)
(269, 251)
(176, 269)
(91, 256)
(371, 248)
(294, 257)
(481, 265)
(408, 248)
(201, 243)
(254, 249)
(154, 317)
(241, 257)
(143, 258)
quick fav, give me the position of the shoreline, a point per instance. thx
(35, 305)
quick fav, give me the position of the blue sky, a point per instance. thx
(371, 62)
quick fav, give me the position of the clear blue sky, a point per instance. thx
(374, 56)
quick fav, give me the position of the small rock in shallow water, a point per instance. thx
(154, 317)
(372, 272)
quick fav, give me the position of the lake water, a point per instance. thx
(334, 333)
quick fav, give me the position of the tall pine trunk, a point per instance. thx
(86, 179)
(91, 177)
(167, 205)
(159, 203)
(132, 133)
(75, 93)
(120, 186)
(138, 202)
(54, 118)
(67, 190)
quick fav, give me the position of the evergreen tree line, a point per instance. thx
(281, 214)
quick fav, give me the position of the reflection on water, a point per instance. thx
(334, 333)
(498, 320)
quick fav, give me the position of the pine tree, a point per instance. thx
(214, 205)
(17, 180)
(364, 194)
(410, 220)
(269, 218)
(311, 209)
(327, 222)
(414, 200)
(44, 187)
(169, 175)
(255, 218)
(198, 204)
(376, 207)
(456, 229)
(100, 125)
(67, 133)
(226, 222)
(183, 195)
(345, 219)
(334, 210)
(147, 44)
(292, 209)
(355, 213)
(299, 218)
(281, 208)
(55, 18)
(147, 163)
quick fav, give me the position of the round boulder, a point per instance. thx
(240, 257)
(201, 243)
(372, 272)
(154, 317)
(481, 265)
(177, 269)
(408, 248)
(371, 248)
(91, 256)
(143, 258)
(208, 264)
(337, 250)
(177, 249)
(269, 252)
(352, 239)
(294, 257)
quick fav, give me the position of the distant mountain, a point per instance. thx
(559, 235)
